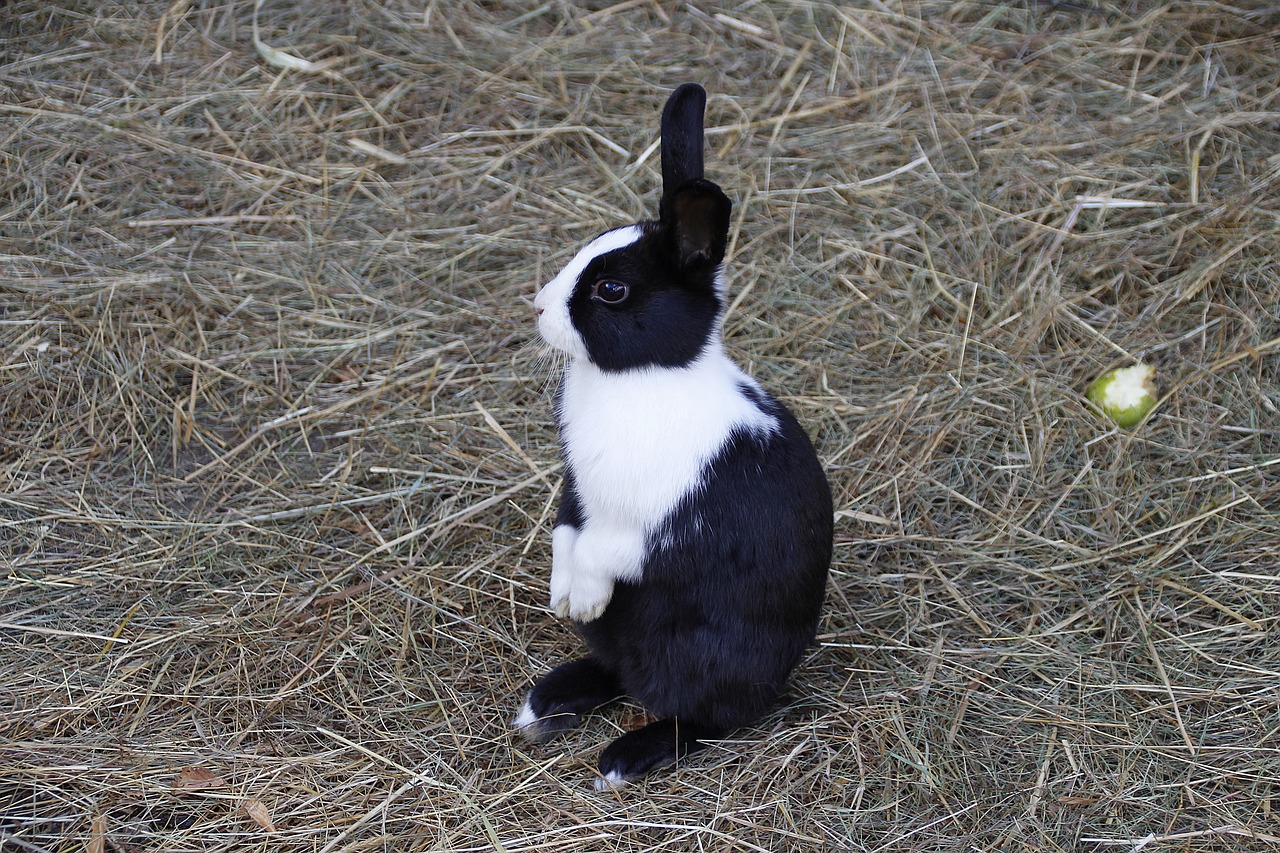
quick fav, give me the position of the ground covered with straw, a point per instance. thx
(277, 458)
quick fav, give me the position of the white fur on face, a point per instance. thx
(638, 442)
(552, 300)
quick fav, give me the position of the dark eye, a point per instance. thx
(610, 292)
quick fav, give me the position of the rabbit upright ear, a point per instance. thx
(682, 138)
(696, 216)
(694, 211)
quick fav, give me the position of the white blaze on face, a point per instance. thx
(552, 302)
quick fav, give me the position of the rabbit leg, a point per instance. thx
(560, 698)
(646, 749)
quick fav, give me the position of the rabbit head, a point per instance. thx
(649, 294)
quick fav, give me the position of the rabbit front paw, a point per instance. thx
(585, 597)
(584, 565)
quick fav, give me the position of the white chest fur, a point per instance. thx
(637, 443)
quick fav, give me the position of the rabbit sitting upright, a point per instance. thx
(694, 533)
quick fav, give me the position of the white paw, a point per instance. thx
(563, 539)
(585, 599)
(609, 549)
(560, 589)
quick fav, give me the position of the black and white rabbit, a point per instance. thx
(694, 533)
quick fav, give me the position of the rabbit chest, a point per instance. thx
(638, 442)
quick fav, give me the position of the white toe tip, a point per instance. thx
(525, 718)
(610, 782)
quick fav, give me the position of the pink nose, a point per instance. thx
(539, 310)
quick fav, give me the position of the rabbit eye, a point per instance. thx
(610, 292)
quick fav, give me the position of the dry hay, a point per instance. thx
(276, 458)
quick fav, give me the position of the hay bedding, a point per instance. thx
(276, 458)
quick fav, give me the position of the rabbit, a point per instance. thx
(694, 533)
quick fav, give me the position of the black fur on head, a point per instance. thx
(670, 274)
(667, 316)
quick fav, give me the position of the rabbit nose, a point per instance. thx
(539, 310)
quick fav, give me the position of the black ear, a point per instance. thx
(696, 219)
(682, 137)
